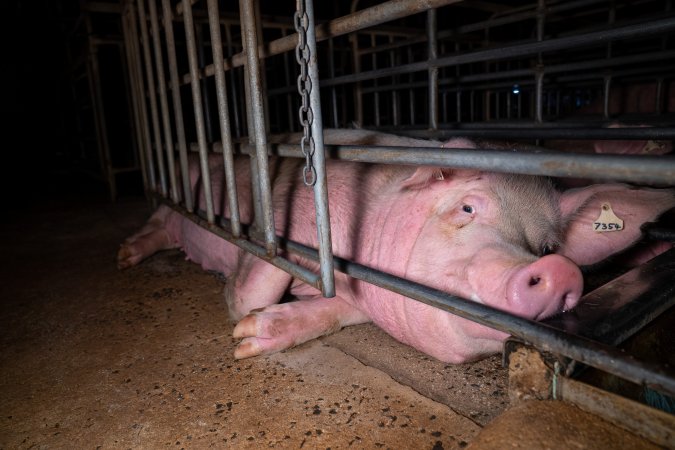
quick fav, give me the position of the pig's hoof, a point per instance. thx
(247, 348)
(127, 257)
(264, 331)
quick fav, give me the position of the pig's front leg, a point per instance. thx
(278, 327)
(255, 284)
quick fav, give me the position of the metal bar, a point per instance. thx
(166, 121)
(319, 161)
(376, 95)
(432, 49)
(233, 83)
(586, 67)
(225, 133)
(631, 168)
(517, 130)
(153, 97)
(607, 86)
(411, 92)
(489, 23)
(140, 94)
(199, 112)
(289, 98)
(395, 102)
(369, 17)
(206, 94)
(96, 95)
(177, 104)
(333, 90)
(295, 270)
(543, 336)
(258, 115)
(134, 94)
(523, 49)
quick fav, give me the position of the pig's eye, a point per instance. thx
(547, 249)
(467, 209)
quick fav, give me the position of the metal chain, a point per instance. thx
(305, 112)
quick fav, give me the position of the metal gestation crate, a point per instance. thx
(223, 76)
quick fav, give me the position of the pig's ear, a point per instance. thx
(424, 175)
(601, 220)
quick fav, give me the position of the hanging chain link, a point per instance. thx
(305, 112)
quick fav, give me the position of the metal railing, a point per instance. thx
(456, 63)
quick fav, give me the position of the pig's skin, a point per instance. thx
(453, 230)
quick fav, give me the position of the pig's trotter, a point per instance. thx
(282, 326)
(139, 247)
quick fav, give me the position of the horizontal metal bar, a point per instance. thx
(520, 49)
(375, 15)
(630, 168)
(543, 336)
(554, 132)
(222, 231)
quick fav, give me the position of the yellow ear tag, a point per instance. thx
(607, 221)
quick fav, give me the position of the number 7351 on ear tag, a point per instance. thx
(607, 221)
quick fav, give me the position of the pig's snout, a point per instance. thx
(549, 285)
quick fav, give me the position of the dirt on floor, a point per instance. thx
(94, 357)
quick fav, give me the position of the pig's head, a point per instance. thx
(512, 242)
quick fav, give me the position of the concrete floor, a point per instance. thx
(93, 357)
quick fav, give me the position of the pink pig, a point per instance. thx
(508, 241)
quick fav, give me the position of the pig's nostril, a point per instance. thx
(534, 281)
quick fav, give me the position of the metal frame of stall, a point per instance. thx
(163, 140)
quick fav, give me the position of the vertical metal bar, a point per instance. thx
(395, 101)
(94, 79)
(607, 86)
(167, 14)
(140, 93)
(153, 97)
(539, 80)
(248, 121)
(498, 104)
(539, 71)
(225, 133)
(508, 103)
(289, 97)
(432, 46)
(458, 94)
(557, 104)
(233, 82)
(258, 117)
(321, 184)
(166, 121)
(608, 78)
(199, 112)
(134, 93)
(204, 82)
(472, 105)
(358, 95)
(333, 90)
(658, 106)
(411, 92)
(444, 106)
(376, 94)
